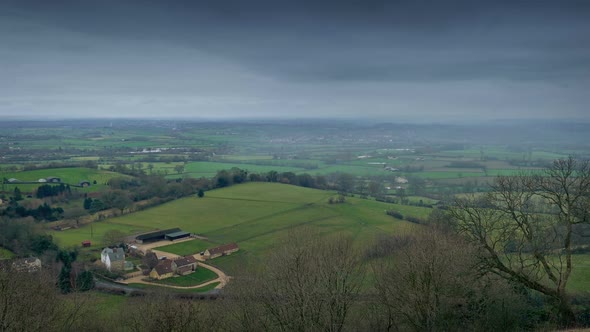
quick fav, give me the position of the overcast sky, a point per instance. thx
(412, 60)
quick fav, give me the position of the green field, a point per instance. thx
(187, 247)
(580, 279)
(71, 176)
(5, 253)
(95, 233)
(200, 276)
(254, 215)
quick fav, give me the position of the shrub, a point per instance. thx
(395, 214)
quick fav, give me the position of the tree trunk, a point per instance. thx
(566, 315)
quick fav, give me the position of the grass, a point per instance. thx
(187, 247)
(254, 215)
(94, 232)
(106, 305)
(5, 253)
(580, 278)
(200, 276)
(70, 175)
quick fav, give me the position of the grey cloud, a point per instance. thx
(263, 57)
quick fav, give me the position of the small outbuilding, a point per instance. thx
(84, 183)
(42, 180)
(53, 179)
(186, 265)
(224, 250)
(86, 243)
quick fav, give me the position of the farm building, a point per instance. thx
(155, 236)
(86, 243)
(163, 270)
(185, 265)
(113, 258)
(84, 183)
(41, 180)
(167, 268)
(177, 235)
(224, 250)
(13, 180)
(53, 179)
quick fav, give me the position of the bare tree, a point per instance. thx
(427, 283)
(309, 283)
(525, 226)
(113, 237)
(29, 302)
(165, 312)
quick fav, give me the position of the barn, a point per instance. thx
(177, 235)
(224, 250)
(155, 236)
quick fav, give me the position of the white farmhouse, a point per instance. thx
(113, 258)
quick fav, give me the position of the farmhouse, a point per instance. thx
(32, 264)
(53, 179)
(185, 265)
(224, 250)
(167, 268)
(155, 236)
(113, 258)
(163, 270)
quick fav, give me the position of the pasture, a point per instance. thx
(70, 175)
(186, 248)
(5, 253)
(254, 215)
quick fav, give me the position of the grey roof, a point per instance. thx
(117, 255)
(179, 233)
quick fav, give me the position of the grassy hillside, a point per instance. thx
(254, 215)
